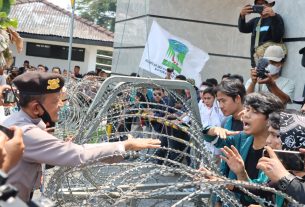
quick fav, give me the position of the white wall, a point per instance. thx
(217, 33)
(214, 34)
(87, 65)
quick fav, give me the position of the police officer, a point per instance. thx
(39, 96)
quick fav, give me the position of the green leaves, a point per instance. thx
(5, 5)
(101, 12)
(5, 21)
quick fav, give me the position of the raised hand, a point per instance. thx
(221, 132)
(235, 162)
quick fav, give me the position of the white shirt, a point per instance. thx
(3, 80)
(284, 84)
(211, 117)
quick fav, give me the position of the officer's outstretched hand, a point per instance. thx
(14, 149)
(132, 144)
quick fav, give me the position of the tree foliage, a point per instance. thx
(101, 12)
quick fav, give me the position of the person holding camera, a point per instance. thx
(11, 148)
(269, 27)
(270, 79)
(39, 96)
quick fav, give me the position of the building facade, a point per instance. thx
(209, 25)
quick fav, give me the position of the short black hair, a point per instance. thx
(26, 61)
(238, 77)
(264, 102)
(210, 90)
(77, 66)
(181, 77)
(159, 89)
(274, 120)
(58, 68)
(212, 81)
(226, 76)
(91, 73)
(206, 84)
(232, 88)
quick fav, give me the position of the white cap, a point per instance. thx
(274, 53)
(272, 2)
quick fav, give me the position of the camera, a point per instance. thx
(9, 133)
(9, 96)
(261, 68)
(292, 160)
(9, 196)
(257, 9)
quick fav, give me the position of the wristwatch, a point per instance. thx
(283, 183)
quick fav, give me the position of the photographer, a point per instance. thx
(272, 81)
(269, 27)
(11, 150)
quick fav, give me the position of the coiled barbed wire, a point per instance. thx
(100, 112)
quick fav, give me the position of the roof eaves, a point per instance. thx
(78, 18)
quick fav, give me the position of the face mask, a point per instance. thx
(273, 69)
(46, 118)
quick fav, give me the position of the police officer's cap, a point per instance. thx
(39, 83)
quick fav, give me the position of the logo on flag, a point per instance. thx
(164, 50)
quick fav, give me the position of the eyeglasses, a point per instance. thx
(157, 94)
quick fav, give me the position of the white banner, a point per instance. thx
(164, 50)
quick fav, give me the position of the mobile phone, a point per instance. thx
(9, 133)
(9, 96)
(257, 9)
(292, 160)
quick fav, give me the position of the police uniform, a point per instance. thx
(42, 147)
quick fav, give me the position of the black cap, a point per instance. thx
(39, 83)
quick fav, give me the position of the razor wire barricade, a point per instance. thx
(110, 111)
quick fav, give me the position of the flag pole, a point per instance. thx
(71, 35)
